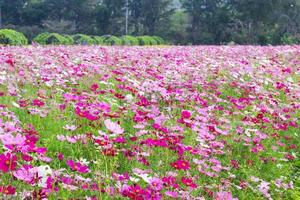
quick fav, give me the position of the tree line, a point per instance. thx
(177, 21)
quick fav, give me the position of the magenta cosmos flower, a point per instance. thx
(38, 103)
(185, 114)
(7, 190)
(156, 184)
(188, 182)
(181, 165)
(8, 162)
(77, 166)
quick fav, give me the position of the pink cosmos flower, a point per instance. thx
(7, 190)
(188, 182)
(10, 140)
(71, 139)
(25, 174)
(224, 196)
(77, 166)
(156, 126)
(133, 192)
(181, 165)
(94, 87)
(169, 180)
(8, 162)
(60, 156)
(44, 158)
(70, 127)
(37, 102)
(186, 114)
(172, 194)
(120, 140)
(113, 127)
(27, 157)
(264, 188)
(289, 156)
(61, 137)
(156, 184)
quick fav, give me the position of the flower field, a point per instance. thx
(207, 122)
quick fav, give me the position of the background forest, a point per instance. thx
(178, 21)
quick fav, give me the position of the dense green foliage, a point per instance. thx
(69, 39)
(83, 39)
(290, 39)
(98, 39)
(12, 37)
(147, 40)
(112, 40)
(178, 21)
(53, 38)
(242, 21)
(129, 40)
(159, 40)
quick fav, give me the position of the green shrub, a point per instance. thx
(159, 40)
(69, 39)
(98, 40)
(112, 40)
(41, 38)
(143, 40)
(294, 194)
(12, 37)
(152, 40)
(52, 38)
(83, 39)
(290, 39)
(129, 40)
(146, 40)
(264, 39)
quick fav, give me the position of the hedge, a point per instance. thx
(288, 39)
(69, 39)
(112, 40)
(98, 40)
(12, 37)
(159, 40)
(83, 39)
(129, 40)
(52, 38)
(146, 40)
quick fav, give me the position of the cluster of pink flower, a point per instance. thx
(148, 123)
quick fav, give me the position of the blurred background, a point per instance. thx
(177, 21)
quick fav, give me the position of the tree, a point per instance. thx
(11, 11)
(155, 15)
(113, 15)
(209, 20)
(267, 21)
(79, 12)
(177, 28)
(102, 15)
(33, 13)
(180, 21)
(136, 13)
